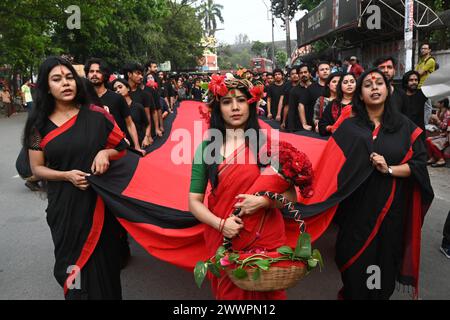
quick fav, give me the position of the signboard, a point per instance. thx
(165, 67)
(328, 16)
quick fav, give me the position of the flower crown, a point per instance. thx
(220, 86)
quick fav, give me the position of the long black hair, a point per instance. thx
(45, 102)
(327, 91)
(339, 92)
(217, 122)
(391, 119)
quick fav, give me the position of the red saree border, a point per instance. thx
(90, 244)
(58, 131)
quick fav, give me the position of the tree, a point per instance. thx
(209, 12)
(278, 8)
(281, 57)
(242, 39)
(259, 48)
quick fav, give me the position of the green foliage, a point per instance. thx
(281, 57)
(209, 12)
(278, 8)
(259, 262)
(115, 30)
(259, 48)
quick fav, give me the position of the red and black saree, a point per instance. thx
(84, 233)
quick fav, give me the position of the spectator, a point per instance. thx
(445, 248)
(427, 63)
(27, 98)
(437, 144)
(5, 98)
(355, 68)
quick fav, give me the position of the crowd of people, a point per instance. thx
(110, 113)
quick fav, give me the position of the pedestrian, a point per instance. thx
(274, 94)
(231, 114)
(68, 141)
(291, 115)
(417, 103)
(378, 227)
(314, 91)
(133, 74)
(97, 73)
(437, 144)
(197, 92)
(330, 94)
(344, 99)
(5, 98)
(27, 98)
(355, 67)
(137, 110)
(388, 66)
(285, 99)
(427, 63)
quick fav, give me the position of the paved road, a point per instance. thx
(26, 249)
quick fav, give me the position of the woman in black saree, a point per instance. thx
(68, 140)
(378, 243)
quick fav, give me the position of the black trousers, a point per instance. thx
(446, 240)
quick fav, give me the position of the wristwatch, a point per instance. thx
(390, 171)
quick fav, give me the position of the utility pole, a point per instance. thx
(273, 29)
(288, 30)
(409, 32)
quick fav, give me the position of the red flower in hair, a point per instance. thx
(257, 93)
(217, 86)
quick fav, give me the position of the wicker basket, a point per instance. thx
(276, 278)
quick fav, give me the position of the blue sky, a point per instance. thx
(250, 17)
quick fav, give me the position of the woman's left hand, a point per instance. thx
(250, 204)
(101, 163)
(379, 163)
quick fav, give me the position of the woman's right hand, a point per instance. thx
(78, 179)
(233, 225)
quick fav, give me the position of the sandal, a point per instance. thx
(439, 165)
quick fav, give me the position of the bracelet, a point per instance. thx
(221, 225)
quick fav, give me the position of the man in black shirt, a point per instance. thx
(152, 71)
(416, 100)
(297, 96)
(97, 72)
(314, 91)
(274, 93)
(197, 92)
(387, 65)
(133, 74)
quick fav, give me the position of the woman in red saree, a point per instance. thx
(230, 163)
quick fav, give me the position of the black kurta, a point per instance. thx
(85, 235)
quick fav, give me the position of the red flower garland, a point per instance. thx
(217, 86)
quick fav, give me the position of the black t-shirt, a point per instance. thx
(142, 97)
(197, 94)
(296, 95)
(416, 108)
(286, 93)
(313, 93)
(399, 100)
(155, 96)
(117, 107)
(139, 118)
(274, 92)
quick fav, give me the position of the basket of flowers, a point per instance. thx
(260, 270)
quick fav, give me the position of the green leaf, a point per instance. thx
(312, 263)
(240, 273)
(285, 250)
(220, 253)
(303, 249)
(233, 257)
(257, 274)
(316, 255)
(263, 264)
(200, 271)
(214, 270)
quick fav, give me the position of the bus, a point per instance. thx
(261, 65)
